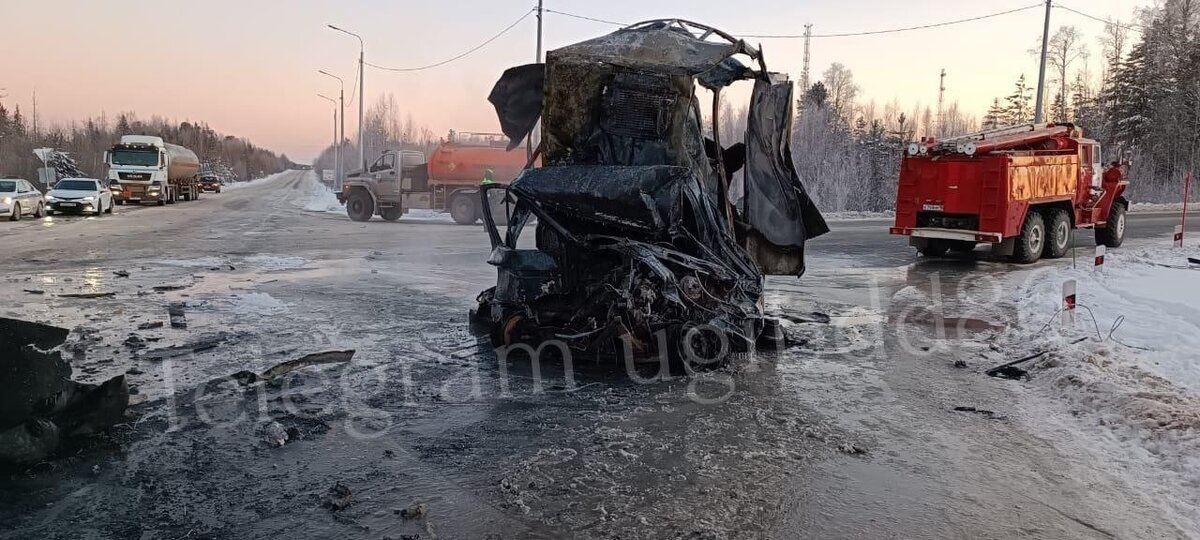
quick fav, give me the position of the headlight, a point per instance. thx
(8, 200)
(51, 198)
(88, 199)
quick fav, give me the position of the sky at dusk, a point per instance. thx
(249, 67)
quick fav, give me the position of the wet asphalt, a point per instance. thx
(849, 432)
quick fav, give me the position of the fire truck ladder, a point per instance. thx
(965, 144)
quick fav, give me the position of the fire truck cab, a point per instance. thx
(1022, 189)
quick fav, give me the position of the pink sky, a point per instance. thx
(249, 68)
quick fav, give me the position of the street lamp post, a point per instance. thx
(342, 136)
(337, 151)
(362, 149)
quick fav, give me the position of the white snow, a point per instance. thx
(256, 304)
(202, 262)
(272, 263)
(254, 182)
(854, 216)
(1133, 390)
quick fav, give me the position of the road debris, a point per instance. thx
(40, 407)
(246, 377)
(121, 273)
(168, 288)
(88, 295)
(1010, 369)
(339, 498)
(150, 325)
(413, 511)
(176, 313)
(35, 291)
(991, 415)
(275, 434)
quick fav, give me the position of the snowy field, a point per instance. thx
(1129, 378)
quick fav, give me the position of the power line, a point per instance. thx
(836, 35)
(891, 30)
(1135, 27)
(448, 60)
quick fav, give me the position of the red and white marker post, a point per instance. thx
(1068, 313)
(1178, 238)
(1100, 257)
(1187, 189)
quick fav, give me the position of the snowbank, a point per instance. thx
(853, 216)
(322, 199)
(1131, 378)
(254, 182)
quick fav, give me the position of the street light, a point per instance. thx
(337, 151)
(362, 149)
(342, 136)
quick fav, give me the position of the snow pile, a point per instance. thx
(1131, 377)
(254, 182)
(849, 215)
(1159, 207)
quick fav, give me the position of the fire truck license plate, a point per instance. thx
(933, 207)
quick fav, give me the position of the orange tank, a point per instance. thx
(463, 158)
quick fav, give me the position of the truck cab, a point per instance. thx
(395, 181)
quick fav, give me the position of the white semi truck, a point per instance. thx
(142, 168)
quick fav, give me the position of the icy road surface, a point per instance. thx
(852, 432)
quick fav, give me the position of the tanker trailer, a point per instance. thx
(143, 168)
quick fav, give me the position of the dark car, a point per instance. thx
(640, 252)
(210, 182)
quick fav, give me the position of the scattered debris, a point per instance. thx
(88, 295)
(275, 434)
(851, 448)
(812, 317)
(991, 415)
(150, 325)
(35, 291)
(414, 511)
(177, 316)
(960, 363)
(1011, 371)
(339, 498)
(134, 341)
(328, 357)
(167, 288)
(121, 273)
(202, 344)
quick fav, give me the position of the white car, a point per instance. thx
(82, 195)
(19, 198)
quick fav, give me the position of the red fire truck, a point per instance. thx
(1022, 189)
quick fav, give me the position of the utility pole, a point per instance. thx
(362, 83)
(537, 59)
(337, 151)
(35, 118)
(804, 71)
(941, 117)
(342, 136)
(1037, 108)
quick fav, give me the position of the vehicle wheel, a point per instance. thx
(1058, 233)
(391, 214)
(462, 210)
(934, 248)
(1113, 233)
(360, 207)
(16, 212)
(1032, 241)
(196, 194)
(41, 210)
(110, 207)
(962, 246)
(99, 208)
(120, 202)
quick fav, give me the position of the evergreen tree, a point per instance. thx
(1017, 104)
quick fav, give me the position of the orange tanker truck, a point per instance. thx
(1021, 189)
(447, 181)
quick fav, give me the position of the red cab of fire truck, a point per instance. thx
(1021, 189)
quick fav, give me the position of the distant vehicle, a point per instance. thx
(19, 198)
(210, 182)
(142, 168)
(80, 195)
(449, 181)
(1021, 189)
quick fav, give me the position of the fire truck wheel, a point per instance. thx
(934, 248)
(1032, 241)
(1113, 232)
(1058, 233)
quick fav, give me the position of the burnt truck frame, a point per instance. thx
(639, 251)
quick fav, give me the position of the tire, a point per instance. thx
(41, 211)
(391, 214)
(99, 208)
(462, 209)
(110, 207)
(359, 206)
(934, 248)
(1058, 233)
(16, 212)
(1113, 233)
(962, 246)
(1032, 241)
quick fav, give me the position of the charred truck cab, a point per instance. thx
(639, 251)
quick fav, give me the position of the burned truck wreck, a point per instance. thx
(639, 250)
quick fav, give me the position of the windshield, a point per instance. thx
(7, 185)
(146, 158)
(77, 185)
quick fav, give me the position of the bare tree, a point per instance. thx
(839, 82)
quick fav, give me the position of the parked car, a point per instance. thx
(19, 198)
(82, 195)
(210, 182)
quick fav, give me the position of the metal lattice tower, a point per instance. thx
(941, 117)
(804, 72)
